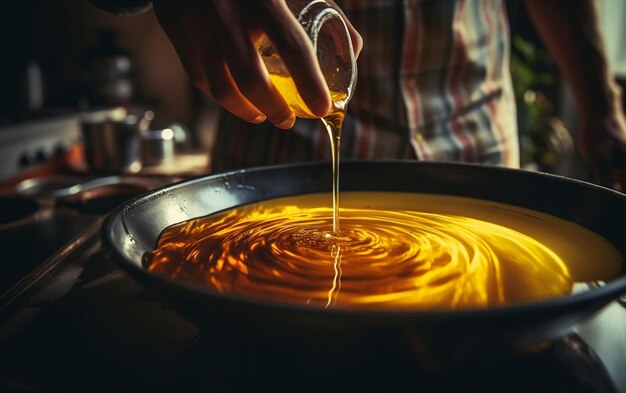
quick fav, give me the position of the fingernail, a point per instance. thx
(320, 107)
(259, 119)
(287, 123)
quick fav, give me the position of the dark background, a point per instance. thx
(56, 38)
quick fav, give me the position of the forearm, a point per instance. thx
(570, 31)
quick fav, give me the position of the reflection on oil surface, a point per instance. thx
(393, 251)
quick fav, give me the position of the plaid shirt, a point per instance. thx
(433, 84)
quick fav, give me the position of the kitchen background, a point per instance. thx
(61, 58)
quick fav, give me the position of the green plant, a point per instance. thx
(532, 74)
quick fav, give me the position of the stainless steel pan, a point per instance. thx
(311, 336)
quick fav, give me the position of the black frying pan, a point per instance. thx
(338, 337)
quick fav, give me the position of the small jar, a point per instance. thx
(331, 41)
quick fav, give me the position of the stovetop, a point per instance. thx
(84, 324)
(79, 322)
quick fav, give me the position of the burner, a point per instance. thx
(40, 215)
(13, 210)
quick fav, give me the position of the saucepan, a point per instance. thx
(286, 335)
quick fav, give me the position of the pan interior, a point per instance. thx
(399, 251)
(134, 228)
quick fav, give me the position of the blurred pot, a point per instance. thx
(157, 147)
(112, 142)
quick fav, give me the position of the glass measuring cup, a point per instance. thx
(331, 41)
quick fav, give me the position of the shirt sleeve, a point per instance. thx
(123, 7)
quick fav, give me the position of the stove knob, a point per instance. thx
(43, 154)
(26, 159)
(59, 150)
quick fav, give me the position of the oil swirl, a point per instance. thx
(386, 256)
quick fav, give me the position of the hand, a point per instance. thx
(215, 42)
(602, 144)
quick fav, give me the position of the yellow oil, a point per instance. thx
(332, 122)
(288, 90)
(394, 251)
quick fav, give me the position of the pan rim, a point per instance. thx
(599, 296)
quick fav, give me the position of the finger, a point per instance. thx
(297, 52)
(357, 40)
(220, 84)
(355, 37)
(170, 19)
(246, 67)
